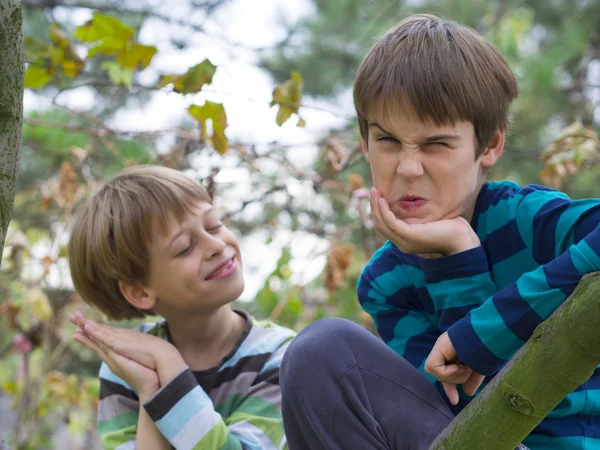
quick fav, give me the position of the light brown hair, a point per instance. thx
(111, 234)
(436, 70)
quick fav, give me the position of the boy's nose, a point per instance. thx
(214, 246)
(409, 166)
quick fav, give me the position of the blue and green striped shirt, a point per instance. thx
(536, 244)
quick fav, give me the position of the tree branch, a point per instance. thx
(562, 354)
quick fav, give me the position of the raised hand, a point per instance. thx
(445, 237)
(146, 350)
(144, 380)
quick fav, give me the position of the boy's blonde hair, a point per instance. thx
(436, 70)
(112, 232)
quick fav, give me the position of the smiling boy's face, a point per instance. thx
(195, 265)
(427, 172)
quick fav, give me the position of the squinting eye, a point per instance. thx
(387, 139)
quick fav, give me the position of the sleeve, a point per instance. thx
(118, 411)
(457, 284)
(186, 416)
(564, 239)
(387, 294)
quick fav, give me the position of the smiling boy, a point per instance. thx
(470, 267)
(149, 242)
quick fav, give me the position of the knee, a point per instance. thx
(321, 349)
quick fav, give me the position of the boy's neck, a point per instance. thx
(204, 340)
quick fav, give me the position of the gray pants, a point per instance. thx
(344, 389)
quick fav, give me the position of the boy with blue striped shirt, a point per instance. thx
(469, 270)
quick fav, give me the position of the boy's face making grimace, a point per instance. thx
(195, 264)
(424, 171)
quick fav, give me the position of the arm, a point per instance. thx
(181, 410)
(120, 424)
(148, 435)
(458, 283)
(386, 293)
(489, 336)
(185, 414)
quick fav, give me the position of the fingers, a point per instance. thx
(82, 338)
(375, 196)
(451, 392)
(473, 383)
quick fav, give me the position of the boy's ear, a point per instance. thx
(137, 295)
(493, 150)
(364, 148)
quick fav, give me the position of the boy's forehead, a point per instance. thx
(392, 115)
(170, 222)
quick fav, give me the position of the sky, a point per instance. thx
(245, 90)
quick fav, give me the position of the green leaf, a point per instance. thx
(136, 56)
(118, 74)
(288, 96)
(215, 112)
(193, 80)
(110, 33)
(37, 77)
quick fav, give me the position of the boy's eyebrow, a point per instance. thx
(443, 137)
(435, 137)
(375, 124)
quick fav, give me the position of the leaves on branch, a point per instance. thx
(575, 146)
(338, 261)
(288, 96)
(193, 80)
(108, 33)
(47, 58)
(215, 112)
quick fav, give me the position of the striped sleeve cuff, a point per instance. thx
(185, 415)
(459, 265)
(170, 394)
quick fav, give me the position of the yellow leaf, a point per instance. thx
(136, 56)
(65, 54)
(37, 76)
(288, 95)
(110, 33)
(193, 80)
(40, 305)
(216, 114)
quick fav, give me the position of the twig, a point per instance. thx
(103, 132)
(254, 200)
(108, 83)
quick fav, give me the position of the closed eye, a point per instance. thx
(215, 228)
(445, 144)
(186, 250)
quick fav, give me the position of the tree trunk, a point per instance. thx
(11, 107)
(561, 355)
